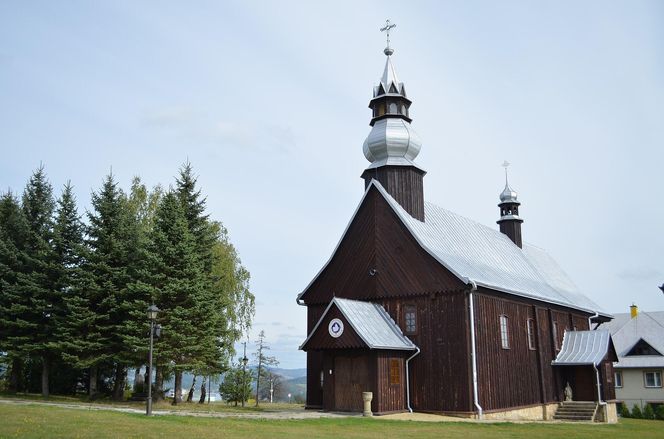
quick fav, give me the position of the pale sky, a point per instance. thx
(269, 103)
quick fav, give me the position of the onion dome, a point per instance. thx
(508, 195)
(392, 140)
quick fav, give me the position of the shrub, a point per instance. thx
(659, 412)
(624, 411)
(636, 412)
(648, 412)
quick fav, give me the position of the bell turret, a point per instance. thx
(510, 221)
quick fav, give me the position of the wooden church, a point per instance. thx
(434, 312)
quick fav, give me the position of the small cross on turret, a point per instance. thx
(388, 26)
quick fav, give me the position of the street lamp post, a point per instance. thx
(152, 316)
(245, 360)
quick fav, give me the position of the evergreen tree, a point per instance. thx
(229, 304)
(14, 303)
(181, 289)
(111, 267)
(45, 300)
(648, 412)
(263, 362)
(624, 411)
(236, 384)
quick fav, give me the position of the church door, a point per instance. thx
(352, 378)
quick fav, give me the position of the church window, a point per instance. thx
(393, 108)
(504, 332)
(530, 323)
(618, 379)
(322, 378)
(381, 109)
(403, 110)
(555, 336)
(653, 379)
(410, 319)
(395, 373)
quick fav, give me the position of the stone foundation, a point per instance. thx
(607, 413)
(540, 412)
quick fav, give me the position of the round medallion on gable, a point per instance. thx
(335, 328)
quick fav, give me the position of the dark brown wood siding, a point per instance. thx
(321, 338)
(439, 375)
(404, 183)
(379, 258)
(314, 360)
(390, 397)
(519, 376)
(507, 377)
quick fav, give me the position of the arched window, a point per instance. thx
(403, 110)
(381, 109)
(393, 108)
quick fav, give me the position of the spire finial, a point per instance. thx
(388, 26)
(506, 165)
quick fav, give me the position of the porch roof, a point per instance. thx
(371, 323)
(585, 348)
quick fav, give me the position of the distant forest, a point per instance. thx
(74, 289)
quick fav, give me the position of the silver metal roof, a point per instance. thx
(583, 347)
(508, 195)
(627, 331)
(475, 252)
(371, 322)
(481, 254)
(390, 77)
(392, 141)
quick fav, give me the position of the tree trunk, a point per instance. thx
(201, 400)
(258, 380)
(158, 384)
(190, 396)
(92, 387)
(44, 378)
(15, 375)
(177, 394)
(119, 384)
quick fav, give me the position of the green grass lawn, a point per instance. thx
(32, 421)
(162, 405)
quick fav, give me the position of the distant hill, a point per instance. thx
(290, 373)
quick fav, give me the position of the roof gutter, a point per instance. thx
(473, 287)
(410, 409)
(299, 301)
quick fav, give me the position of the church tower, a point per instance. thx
(392, 144)
(510, 221)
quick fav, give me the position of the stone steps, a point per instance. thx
(576, 411)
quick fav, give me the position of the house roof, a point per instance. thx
(627, 331)
(476, 253)
(371, 322)
(584, 347)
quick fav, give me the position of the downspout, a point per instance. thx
(590, 320)
(473, 287)
(599, 393)
(408, 380)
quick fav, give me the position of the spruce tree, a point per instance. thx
(179, 284)
(111, 269)
(229, 306)
(15, 315)
(45, 301)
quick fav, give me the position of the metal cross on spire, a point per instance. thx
(388, 26)
(505, 165)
